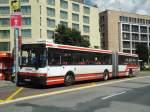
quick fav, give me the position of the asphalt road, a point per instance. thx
(122, 96)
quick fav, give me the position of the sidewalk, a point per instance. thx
(6, 84)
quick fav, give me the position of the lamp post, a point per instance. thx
(16, 20)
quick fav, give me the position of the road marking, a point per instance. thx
(1, 101)
(68, 90)
(14, 94)
(110, 96)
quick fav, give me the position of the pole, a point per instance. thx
(16, 54)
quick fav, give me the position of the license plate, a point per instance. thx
(27, 80)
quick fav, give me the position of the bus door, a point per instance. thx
(55, 67)
(115, 64)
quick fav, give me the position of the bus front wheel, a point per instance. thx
(69, 79)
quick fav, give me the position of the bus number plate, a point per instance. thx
(27, 80)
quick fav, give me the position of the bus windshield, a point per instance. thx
(33, 57)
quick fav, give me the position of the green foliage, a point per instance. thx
(143, 52)
(68, 36)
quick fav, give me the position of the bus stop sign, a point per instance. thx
(16, 20)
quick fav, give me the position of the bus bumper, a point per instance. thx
(32, 80)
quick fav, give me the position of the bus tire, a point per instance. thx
(106, 75)
(18, 84)
(69, 79)
(130, 73)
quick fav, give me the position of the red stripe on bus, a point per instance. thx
(55, 80)
(80, 77)
(122, 73)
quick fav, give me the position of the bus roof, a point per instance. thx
(78, 48)
(127, 54)
(69, 47)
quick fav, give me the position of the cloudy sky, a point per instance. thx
(137, 6)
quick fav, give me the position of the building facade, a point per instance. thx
(80, 1)
(40, 18)
(122, 31)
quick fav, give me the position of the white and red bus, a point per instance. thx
(48, 64)
(125, 64)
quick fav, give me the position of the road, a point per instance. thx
(122, 95)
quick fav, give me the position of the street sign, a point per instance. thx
(16, 20)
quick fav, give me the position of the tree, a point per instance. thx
(143, 52)
(68, 36)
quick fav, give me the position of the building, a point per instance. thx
(41, 17)
(122, 31)
(80, 1)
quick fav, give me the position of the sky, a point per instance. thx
(135, 6)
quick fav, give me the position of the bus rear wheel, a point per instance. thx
(130, 73)
(106, 76)
(69, 79)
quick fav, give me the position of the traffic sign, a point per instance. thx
(16, 20)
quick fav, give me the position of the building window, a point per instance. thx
(126, 27)
(64, 23)
(126, 51)
(123, 18)
(26, 21)
(143, 29)
(86, 19)
(26, 9)
(51, 23)
(86, 29)
(4, 10)
(4, 46)
(26, 33)
(63, 4)
(135, 36)
(50, 34)
(144, 37)
(4, 22)
(86, 10)
(134, 44)
(86, 37)
(126, 44)
(63, 15)
(135, 28)
(51, 12)
(24, 1)
(142, 21)
(133, 20)
(102, 19)
(126, 36)
(51, 2)
(75, 17)
(75, 7)
(4, 34)
(4, 1)
(75, 26)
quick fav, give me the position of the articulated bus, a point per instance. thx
(46, 63)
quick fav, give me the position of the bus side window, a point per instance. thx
(53, 57)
